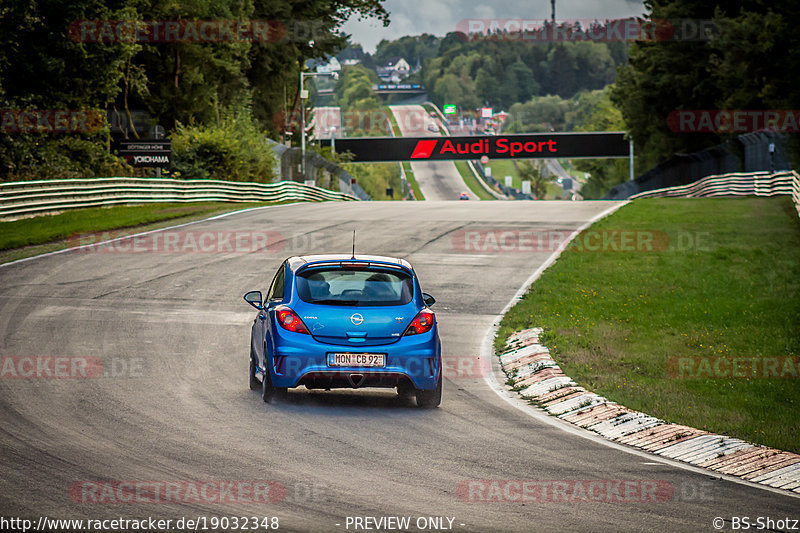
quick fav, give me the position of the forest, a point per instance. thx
(221, 97)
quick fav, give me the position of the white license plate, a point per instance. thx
(356, 359)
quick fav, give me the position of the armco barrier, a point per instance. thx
(796, 191)
(735, 184)
(31, 197)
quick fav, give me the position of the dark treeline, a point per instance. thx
(503, 71)
(220, 99)
(750, 61)
(218, 90)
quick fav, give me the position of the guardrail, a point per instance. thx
(21, 198)
(735, 184)
(796, 191)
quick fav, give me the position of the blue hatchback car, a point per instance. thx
(336, 321)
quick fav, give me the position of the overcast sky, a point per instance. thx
(415, 17)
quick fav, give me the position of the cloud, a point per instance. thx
(438, 17)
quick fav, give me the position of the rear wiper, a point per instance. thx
(332, 301)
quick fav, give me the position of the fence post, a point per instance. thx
(630, 159)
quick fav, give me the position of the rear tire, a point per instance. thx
(267, 390)
(270, 392)
(430, 399)
(254, 383)
(405, 389)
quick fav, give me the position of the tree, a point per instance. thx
(522, 83)
(44, 67)
(450, 89)
(412, 48)
(312, 31)
(358, 102)
(594, 111)
(528, 170)
(749, 63)
(540, 113)
(487, 86)
(512, 70)
(562, 71)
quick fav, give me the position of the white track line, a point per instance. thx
(215, 217)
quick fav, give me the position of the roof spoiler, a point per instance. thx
(354, 263)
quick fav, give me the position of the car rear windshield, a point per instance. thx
(355, 286)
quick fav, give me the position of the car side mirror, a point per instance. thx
(254, 298)
(428, 299)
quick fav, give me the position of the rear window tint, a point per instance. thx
(347, 286)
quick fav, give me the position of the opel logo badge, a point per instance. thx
(357, 319)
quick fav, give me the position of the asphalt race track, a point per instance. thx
(172, 332)
(439, 180)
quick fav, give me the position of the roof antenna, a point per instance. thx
(354, 245)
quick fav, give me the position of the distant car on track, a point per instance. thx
(463, 196)
(336, 321)
(433, 127)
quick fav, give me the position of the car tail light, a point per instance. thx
(422, 323)
(289, 320)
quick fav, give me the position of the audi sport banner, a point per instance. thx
(146, 153)
(523, 146)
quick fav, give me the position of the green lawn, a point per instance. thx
(472, 182)
(31, 236)
(505, 167)
(554, 190)
(721, 281)
(574, 172)
(502, 168)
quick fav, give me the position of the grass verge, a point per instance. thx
(412, 181)
(27, 237)
(722, 282)
(502, 168)
(406, 165)
(472, 182)
(505, 167)
(429, 108)
(392, 121)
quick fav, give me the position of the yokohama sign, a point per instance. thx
(146, 153)
(525, 146)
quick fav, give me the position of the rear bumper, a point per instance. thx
(298, 359)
